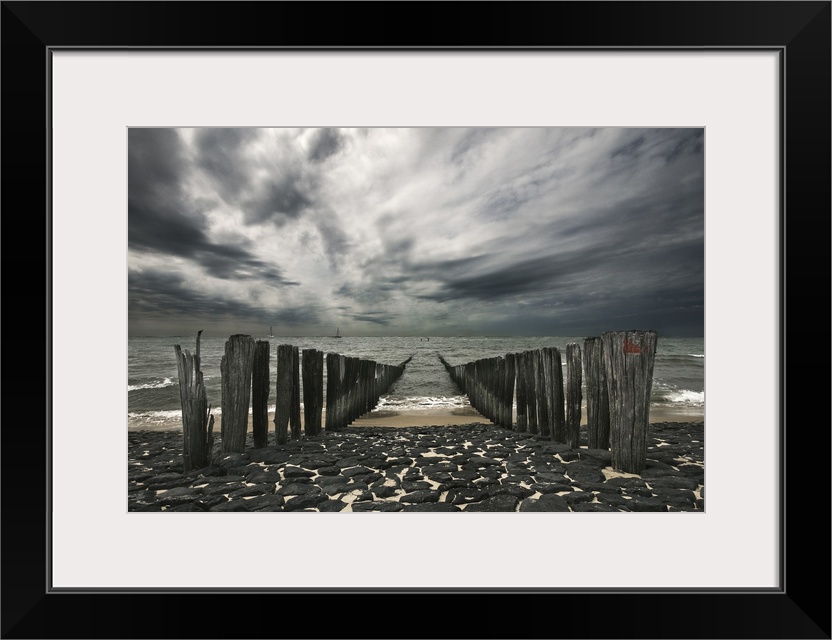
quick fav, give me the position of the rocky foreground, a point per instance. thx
(472, 467)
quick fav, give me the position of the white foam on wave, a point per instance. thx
(156, 384)
(417, 403)
(696, 355)
(686, 396)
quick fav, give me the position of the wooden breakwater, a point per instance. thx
(526, 392)
(342, 388)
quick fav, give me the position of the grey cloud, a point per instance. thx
(280, 200)
(630, 149)
(162, 219)
(281, 197)
(325, 143)
(163, 293)
(335, 239)
(220, 153)
(375, 317)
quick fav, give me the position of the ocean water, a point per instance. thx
(153, 387)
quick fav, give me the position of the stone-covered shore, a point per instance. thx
(473, 467)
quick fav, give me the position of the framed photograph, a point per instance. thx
(751, 80)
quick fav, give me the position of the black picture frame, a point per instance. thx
(799, 31)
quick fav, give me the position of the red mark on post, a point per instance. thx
(633, 347)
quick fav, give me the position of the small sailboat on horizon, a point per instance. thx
(271, 333)
(337, 333)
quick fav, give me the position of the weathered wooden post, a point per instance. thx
(197, 423)
(260, 395)
(313, 380)
(558, 417)
(283, 392)
(629, 357)
(573, 395)
(543, 393)
(520, 362)
(350, 382)
(235, 368)
(597, 396)
(377, 390)
(508, 391)
(333, 379)
(294, 408)
(341, 400)
(531, 392)
(368, 370)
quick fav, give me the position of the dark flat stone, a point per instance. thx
(226, 488)
(544, 503)
(495, 503)
(304, 501)
(433, 506)
(297, 472)
(178, 495)
(259, 476)
(329, 471)
(377, 506)
(332, 506)
(423, 495)
(385, 492)
(418, 485)
(588, 507)
(253, 490)
(578, 497)
(639, 503)
(296, 489)
(356, 471)
(584, 471)
(551, 488)
(188, 506)
(512, 490)
(464, 496)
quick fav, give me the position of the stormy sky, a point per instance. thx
(419, 231)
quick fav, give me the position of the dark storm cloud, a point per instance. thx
(280, 200)
(220, 153)
(689, 142)
(375, 317)
(160, 217)
(568, 272)
(168, 294)
(163, 219)
(336, 240)
(512, 281)
(665, 144)
(629, 150)
(325, 143)
(280, 197)
(234, 263)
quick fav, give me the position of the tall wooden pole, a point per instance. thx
(260, 394)
(629, 357)
(235, 368)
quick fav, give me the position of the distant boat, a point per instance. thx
(337, 333)
(271, 334)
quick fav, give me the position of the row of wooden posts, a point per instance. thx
(619, 376)
(353, 388)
